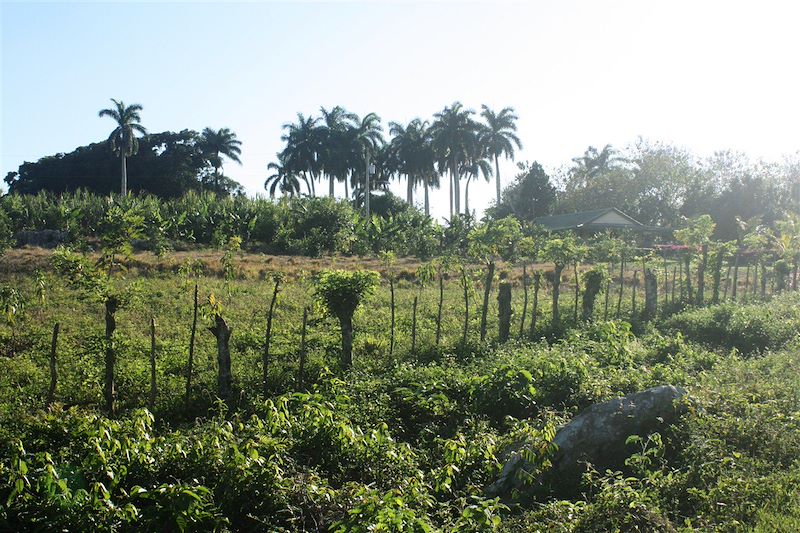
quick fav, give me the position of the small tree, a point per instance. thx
(561, 252)
(488, 242)
(697, 235)
(103, 287)
(341, 292)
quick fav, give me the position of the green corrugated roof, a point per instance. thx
(583, 219)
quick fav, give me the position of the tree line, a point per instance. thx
(656, 183)
(339, 146)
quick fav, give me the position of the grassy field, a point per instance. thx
(406, 440)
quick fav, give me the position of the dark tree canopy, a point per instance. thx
(530, 195)
(167, 164)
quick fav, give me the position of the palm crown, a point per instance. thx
(499, 136)
(218, 143)
(123, 139)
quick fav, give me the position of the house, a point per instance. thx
(597, 220)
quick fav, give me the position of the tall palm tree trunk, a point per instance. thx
(330, 185)
(456, 186)
(124, 185)
(497, 174)
(410, 190)
(451, 197)
(427, 204)
(466, 197)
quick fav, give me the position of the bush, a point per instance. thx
(750, 329)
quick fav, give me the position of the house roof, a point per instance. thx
(614, 218)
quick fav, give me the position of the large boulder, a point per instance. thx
(597, 435)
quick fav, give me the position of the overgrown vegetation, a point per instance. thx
(410, 436)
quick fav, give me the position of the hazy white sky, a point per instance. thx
(706, 75)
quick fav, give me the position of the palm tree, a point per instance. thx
(414, 154)
(500, 136)
(452, 130)
(123, 138)
(594, 163)
(216, 143)
(476, 163)
(282, 179)
(364, 141)
(303, 146)
(334, 153)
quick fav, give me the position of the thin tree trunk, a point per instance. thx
(735, 276)
(439, 311)
(633, 294)
(504, 310)
(680, 280)
(391, 303)
(427, 202)
(674, 280)
(457, 184)
(746, 282)
(497, 174)
(410, 190)
(537, 279)
(222, 333)
(330, 185)
(701, 276)
(466, 196)
(727, 282)
(524, 301)
(153, 388)
(689, 291)
(109, 390)
(556, 320)
(763, 280)
(577, 292)
(268, 338)
(795, 267)
(650, 294)
(451, 196)
(124, 184)
(51, 392)
(755, 279)
(487, 288)
(191, 346)
(302, 367)
(414, 326)
(717, 278)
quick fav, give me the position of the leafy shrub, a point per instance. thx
(749, 329)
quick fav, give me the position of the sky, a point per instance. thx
(704, 75)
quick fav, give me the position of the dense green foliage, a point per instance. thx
(166, 164)
(303, 226)
(401, 442)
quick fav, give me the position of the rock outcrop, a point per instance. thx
(597, 435)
